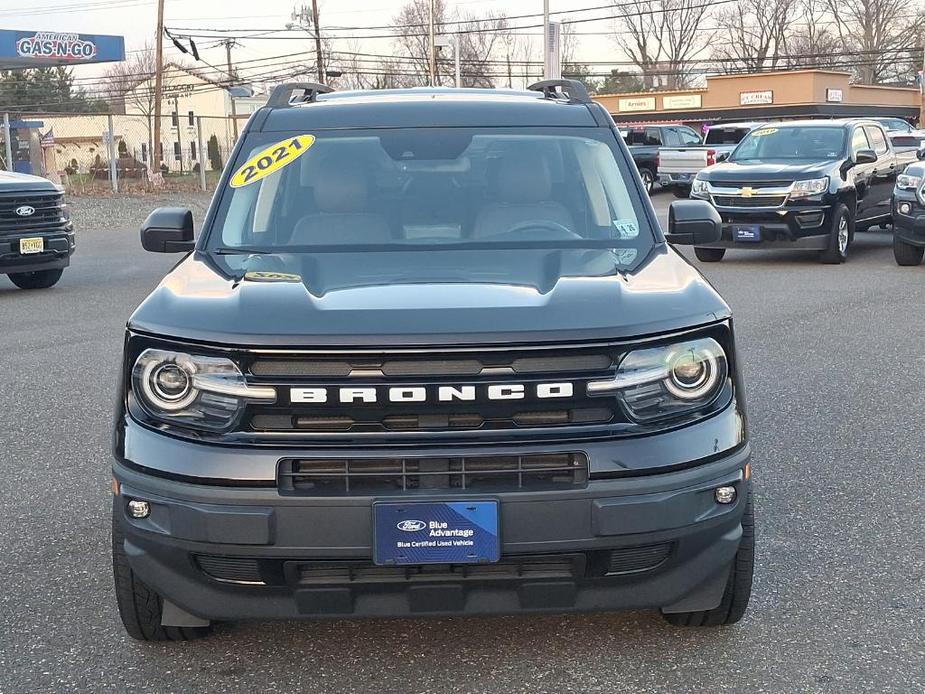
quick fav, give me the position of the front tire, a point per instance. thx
(906, 254)
(140, 607)
(738, 586)
(40, 279)
(840, 237)
(709, 255)
(648, 179)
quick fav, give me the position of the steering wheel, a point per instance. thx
(559, 230)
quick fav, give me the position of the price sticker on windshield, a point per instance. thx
(271, 159)
(763, 131)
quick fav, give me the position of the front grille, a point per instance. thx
(48, 215)
(567, 566)
(754, 201)
(366, 476)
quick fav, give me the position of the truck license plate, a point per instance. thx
(31, 245)
(454, 532)
(749, 234)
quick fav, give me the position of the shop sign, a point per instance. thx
(48, 44)
(834, 95)
(644, 103)
(755, 98)
(681, 101)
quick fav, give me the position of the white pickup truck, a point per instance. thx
(677, 166)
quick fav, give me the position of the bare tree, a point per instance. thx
(120, 80)
(753, 35)
(812, 42)
(877, 30)
(661, 37)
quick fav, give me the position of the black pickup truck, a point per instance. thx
(644, 142)
(801, 185)
(36, 236)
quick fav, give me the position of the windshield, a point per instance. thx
(793, 143)
(428, 187)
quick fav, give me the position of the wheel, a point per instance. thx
(40, 279)
(840, 237)
(139, 606)
(905, 253)
(682, 192)
(709, 255)
(738, 586)
(648, 179)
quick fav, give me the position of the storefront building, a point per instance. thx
(763, 96)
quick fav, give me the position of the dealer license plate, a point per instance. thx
(746, 233)
(31, 245)
(453, 532)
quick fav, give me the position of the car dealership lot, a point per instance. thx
(832, 359)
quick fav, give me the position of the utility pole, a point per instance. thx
(234, 109)
(921, 123)
(176, 110)
(318, 55)
(433, 43)
(158, 86)
(545, 38)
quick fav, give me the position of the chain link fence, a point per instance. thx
(108, 153)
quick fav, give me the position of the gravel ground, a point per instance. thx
(127, 212)
(832, 356)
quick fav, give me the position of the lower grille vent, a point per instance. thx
(344, 476)
(634, 559)
(231, 569)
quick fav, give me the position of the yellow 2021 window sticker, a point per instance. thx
(763, 131)
(270, 159)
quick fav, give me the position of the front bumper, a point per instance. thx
(657, 540)
(791, 227)
(909, 226)
(59, 246)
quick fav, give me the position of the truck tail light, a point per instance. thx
(658, 159)
(711, 157)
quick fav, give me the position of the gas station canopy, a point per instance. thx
(25, 49)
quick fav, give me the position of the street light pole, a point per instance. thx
(546, 39)
(456, 58)
(433, 44)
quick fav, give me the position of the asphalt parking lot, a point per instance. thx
(833, 358)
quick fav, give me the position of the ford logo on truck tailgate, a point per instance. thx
(25, 211)
(411, 526)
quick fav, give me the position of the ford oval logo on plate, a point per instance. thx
(25, 211)
(411, 526)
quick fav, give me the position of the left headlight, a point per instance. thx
(668, 381)
(192, 390)
(699, 188)
(812, 186)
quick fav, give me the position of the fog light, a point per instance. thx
(141, 509)
(725, 495)
(905, 208)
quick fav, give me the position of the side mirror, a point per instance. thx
(865, 156)
(722, 156)
(693, 223)
(168, 230)
(921, 154)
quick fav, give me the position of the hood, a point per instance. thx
(10, 180)
(433, 297)
(766, 171)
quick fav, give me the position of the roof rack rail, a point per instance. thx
(573, 90)
(282, 96)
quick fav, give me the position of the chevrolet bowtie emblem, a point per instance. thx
(747, 192)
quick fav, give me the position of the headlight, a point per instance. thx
(813, 186)
(699, 188)
(664, 382)
(907, 182)
(191, 390)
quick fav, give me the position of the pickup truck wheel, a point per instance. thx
(840, 237)
(683, 192)
(709, 255)
(738, 586)
(40, 279)
(139, 606)
(906, 254)
(648, 179)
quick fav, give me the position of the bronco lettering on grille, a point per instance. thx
(435, 394)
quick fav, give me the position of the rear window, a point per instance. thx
(719, 135)
(447, 188)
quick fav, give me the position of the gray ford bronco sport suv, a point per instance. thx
(430, 354)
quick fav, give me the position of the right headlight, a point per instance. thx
(668, 381)
(907, 182)
(700, 188)
(193, 390)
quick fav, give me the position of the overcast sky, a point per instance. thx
(135, 20)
